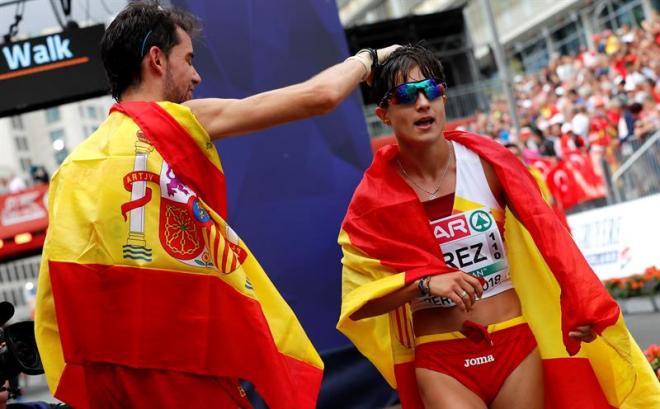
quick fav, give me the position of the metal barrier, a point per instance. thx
(465, 100)
(639, 175)
(17, 284)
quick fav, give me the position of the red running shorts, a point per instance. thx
(483, 359)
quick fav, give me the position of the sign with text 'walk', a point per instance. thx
(50, 70)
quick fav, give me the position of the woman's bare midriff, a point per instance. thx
(498, 308)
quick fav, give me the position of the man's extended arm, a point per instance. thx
(318, 95)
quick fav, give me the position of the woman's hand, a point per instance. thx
(462, 288)
(583, 333)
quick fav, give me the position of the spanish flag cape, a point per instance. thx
(388, 243)
(146, 296)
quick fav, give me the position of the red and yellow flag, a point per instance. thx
(147, 297)
(387, 243)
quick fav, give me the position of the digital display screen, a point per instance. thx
(63, 67)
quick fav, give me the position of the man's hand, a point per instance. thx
(583, 333)
(383, 53)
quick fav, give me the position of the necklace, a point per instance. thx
(432, 194)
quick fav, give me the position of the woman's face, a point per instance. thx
(418, 122)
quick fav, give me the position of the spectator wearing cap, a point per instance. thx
(553, 132)
(569, 141)
(580, 121)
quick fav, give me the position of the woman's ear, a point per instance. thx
(381, 113)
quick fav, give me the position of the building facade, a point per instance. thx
(46, 137)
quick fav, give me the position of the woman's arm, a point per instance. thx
(387, 303)
(462, 288)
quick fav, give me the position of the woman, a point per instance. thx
(456, 332)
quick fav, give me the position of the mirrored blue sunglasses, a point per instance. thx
(407, 93)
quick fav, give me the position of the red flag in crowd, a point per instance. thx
(572, 180)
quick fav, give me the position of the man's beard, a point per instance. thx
(171, 92)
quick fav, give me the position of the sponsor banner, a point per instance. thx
(619, 240)
(23, 221)
(24, 212)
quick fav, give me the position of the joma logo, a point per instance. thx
(479, 361)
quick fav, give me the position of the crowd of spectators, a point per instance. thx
(604, 100)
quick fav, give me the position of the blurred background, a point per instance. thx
(572, 85)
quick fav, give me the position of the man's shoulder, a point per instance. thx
(184, 114)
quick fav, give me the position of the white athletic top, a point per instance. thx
(469, 238)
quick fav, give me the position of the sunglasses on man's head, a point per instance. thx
(407, 93)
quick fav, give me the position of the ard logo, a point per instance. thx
(451, 228)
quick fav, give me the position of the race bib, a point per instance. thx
(471, 242)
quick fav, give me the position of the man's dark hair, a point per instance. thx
(395, 68)
(133, 32)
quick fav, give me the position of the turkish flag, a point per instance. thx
(571, 180)
(582, 167)
(561, 182)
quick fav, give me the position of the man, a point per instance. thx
(147, 297)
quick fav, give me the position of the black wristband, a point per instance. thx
(423, 286)
(374, 59)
